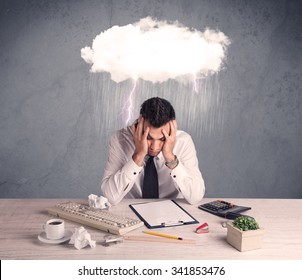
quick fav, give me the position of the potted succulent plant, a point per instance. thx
(244, 234)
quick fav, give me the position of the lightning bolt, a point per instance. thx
(195, 84)
(129, 104)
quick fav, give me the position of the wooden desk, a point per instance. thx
(21, 222)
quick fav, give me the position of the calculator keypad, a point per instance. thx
(221, 208)
(217, 206)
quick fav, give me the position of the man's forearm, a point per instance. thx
(115, 185)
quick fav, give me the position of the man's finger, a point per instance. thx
(146, 132)
(173, 128)
(139, 129)
(165, 133)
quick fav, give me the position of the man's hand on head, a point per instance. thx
(169, 144)
(140, 140)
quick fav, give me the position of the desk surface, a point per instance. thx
(21, 222)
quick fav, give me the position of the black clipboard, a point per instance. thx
(165, 213)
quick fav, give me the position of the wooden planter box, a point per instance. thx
(244, 240)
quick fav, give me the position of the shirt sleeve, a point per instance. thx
(120, 173)
(186, 175)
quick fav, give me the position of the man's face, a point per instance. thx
(155, 138)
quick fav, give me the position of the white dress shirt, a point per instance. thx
(124, 178)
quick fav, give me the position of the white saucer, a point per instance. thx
(42, 237)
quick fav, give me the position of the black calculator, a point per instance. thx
(224, 209)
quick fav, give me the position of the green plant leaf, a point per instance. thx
(245, 223)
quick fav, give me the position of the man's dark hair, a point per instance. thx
(157, 111)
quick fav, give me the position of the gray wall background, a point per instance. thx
(56, 117)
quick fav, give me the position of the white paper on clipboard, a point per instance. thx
(162, 214)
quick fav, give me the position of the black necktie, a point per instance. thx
(150, 185)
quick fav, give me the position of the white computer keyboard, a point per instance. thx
(100, 219)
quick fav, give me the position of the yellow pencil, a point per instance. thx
(162, 235)
(156, 239)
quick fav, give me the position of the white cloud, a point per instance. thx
(156, 51)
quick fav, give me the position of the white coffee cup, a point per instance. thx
(54, 229)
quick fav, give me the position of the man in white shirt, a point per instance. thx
(173, 152)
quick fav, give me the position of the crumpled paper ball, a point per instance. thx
(99, 202)
(81, 238)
